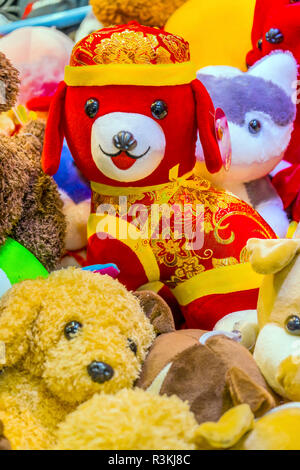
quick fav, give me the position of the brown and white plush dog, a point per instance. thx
(210, 371)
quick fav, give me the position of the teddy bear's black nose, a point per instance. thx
(124, 141)
(100, 372)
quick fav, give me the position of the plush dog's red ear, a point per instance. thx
(54, 135)
(206, 126)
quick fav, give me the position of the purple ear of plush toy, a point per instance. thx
(110, 269)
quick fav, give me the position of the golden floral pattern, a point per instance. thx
(128, 47)
(130, 44)
(225, 222)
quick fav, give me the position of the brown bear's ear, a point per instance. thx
(158, 312)
(19, 307)
(9, 84)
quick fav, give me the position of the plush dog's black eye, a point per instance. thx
(260, 44)
(292, 325)
(132, 345)
(159, 109)
(91, 107)
(71, 329)
(274, 36)
(254, 126)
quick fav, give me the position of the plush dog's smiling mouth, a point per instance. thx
(124, 159)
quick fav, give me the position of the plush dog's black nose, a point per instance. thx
(100, 372)
(124, 141)
(274, 36)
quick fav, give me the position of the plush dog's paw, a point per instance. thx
(227, 431)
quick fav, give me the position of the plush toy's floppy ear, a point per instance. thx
(206, 126)
(157, 310)
(54, 135)
(19, 307)
(271, 256)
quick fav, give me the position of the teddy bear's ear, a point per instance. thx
(158, 312)
(19, 307)
(271, 256)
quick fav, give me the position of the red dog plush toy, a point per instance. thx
(130, 108)
(277, 26)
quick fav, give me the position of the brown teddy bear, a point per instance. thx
(30, 205)
(145, 12)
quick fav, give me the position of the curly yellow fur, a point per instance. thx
(129, 420)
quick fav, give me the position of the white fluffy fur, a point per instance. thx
(255, 156)
(147, 133)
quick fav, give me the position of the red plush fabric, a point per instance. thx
(179, 126)
(204, 313)
(41, 103)
(287, 184)
(206, 125)
(110, 250)
(186, 105)
(283, 15)
(54, 135)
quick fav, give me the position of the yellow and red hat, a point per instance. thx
(130, 55)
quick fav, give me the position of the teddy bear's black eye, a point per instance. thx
(71, 329)
(292, 325)
(91, 107)
(254, 126)
(159, 109)
(294, 1)
(132, 345)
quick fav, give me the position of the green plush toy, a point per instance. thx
(17, 264)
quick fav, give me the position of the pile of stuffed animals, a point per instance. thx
(149, 239)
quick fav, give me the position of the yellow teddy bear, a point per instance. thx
(66, 338)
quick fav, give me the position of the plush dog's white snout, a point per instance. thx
(127, 146)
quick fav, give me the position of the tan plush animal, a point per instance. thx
(277, 430)
(277, 350)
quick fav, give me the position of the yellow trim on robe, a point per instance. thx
(174, 182)
(131, 74)
(155, 286)
(115, 226)
(224, 280)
